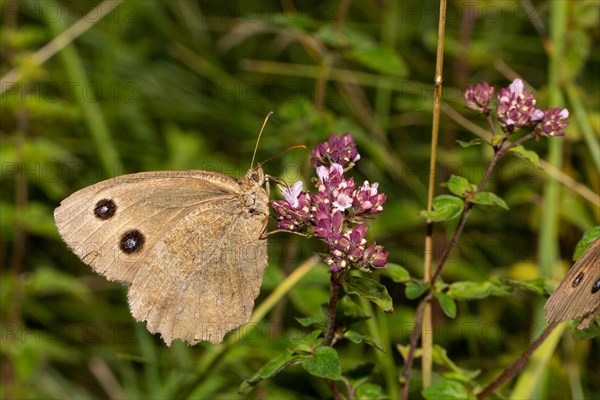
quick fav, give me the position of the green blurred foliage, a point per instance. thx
(182, 84)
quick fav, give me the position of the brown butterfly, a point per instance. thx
(578, 295)
(187, 244)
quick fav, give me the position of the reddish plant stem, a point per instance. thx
(334, 289)
(405, 377)
(350, 389)
(490, 122)
(518, 364)
(334, 390)
(328, 340)
(500, 151)
(467, 209)
(453, 240)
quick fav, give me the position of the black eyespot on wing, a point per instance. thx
(596, 286)
(105, 209)
(577, 279)
(132, 241)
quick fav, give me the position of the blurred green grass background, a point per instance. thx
(160, 85)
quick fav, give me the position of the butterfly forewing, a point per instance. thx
(577, 295)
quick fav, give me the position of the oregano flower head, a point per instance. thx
(515, 109)
(337, 150)
(478, 97)
(553, 122)
(336, 213)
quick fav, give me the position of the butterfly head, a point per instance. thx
(255, 198)
(254, 177)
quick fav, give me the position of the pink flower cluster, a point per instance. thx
(516, 109)
(337, 211)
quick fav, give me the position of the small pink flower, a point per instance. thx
(343, 202)
(322, 173)
(376, 256)
(337, 149)
(291, 194)
(367, 200)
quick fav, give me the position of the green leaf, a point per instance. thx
(496, 139)
(446, 389)
(537, 285)
(468, 290)
(325, 363)
(370, 391)
(371, 290)
(403, 350)
(447, 303)
(345, 38)
(356, 337)
(474, 142)
(308, 342)
(270, 369)
(35, 218)
(589, 237)
(459, 185)
(348, 312)
(310, 321)
(590, 332)
(527, 155)
(488, 199)
(445, 208)
(45, 281)
(440, 357)
(415, 289)
(380, 59)
(397, 273)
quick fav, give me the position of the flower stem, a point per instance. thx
(405, 377)
(499, 152)
(334, 289)
(518, 364)
(452, 243)
(467, 209)
(334, 390)
(490, 122)
(328, 340)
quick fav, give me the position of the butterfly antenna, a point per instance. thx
(297, 146)
(259, 135)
